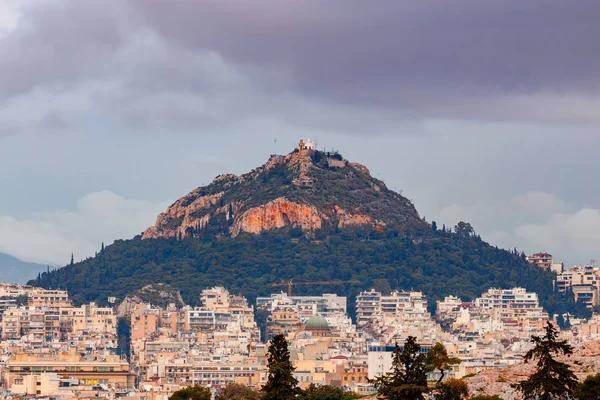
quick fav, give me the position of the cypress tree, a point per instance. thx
(552, 380)
(281, 384)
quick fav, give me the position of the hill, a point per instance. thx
(310, 216)
(13, 270)
(313, 191)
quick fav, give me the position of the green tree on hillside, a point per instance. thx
(437, 358)
(281, 384)
(326, 392)
(236, 391)
(589, 389)
(552, 380)
(407, 379)
(452, 389)
(196, 392)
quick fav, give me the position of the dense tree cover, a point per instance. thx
(196, 392)
(437, 359)
(438, 263)
(281, 384)
(236, 391)
(589, 389)
(407, 379)
(552, 379)
(485, 397)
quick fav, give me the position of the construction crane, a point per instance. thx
(291, 283)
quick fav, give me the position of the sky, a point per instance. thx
(482, 111)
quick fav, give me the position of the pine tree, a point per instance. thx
(72, 259)
(407, 379)
(553, 380)
(281, 384)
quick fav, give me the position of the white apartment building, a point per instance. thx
(400, 306)
(583, 281)
(324, 305)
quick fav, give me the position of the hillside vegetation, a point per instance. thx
(439, 264)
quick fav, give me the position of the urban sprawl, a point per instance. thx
(51, 348)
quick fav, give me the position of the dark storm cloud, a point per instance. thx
(531, 61)
(399, 53)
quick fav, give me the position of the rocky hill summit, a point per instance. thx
(307, 189)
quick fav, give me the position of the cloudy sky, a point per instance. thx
(484, 111)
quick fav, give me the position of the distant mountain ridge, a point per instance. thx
(308, 216)
(13, 270)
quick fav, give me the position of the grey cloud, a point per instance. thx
(428, 55)
(514, 61)
(59, 43)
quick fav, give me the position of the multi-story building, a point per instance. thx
(405, 307)
(91, 318)
(583, 281)
(49, 323)
(48, 298)
(368, 307)
(542, 260)
(15, 290)
(144, 324)
(508, 298)
(109, 370)
(324, 305)
(355, 373)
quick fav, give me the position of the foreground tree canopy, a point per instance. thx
(281, 384)
(552, 380)
(196, 392)
(326, 392)
(235, 391)
(437, 359)
(407, 380)
(589, 389)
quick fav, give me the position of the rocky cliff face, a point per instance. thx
(306, 189)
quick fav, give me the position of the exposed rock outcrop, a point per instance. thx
(306, 188)
(158, 294)
(277, 214)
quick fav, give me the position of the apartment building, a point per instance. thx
(368, 307)
(109, 370)
(542, 260)
(325, 305)
(48, 298)
(49, 323)
(400, 306)
(583, 281)
(91, 318)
